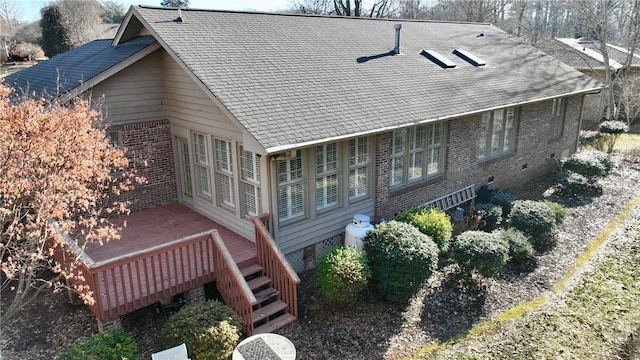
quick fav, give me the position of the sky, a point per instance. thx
(29, 10)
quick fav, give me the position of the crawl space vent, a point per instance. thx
(469, 57)
(437, 58)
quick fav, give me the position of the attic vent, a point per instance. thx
(437, 58)
(469, 57)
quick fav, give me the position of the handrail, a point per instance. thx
(231, 284)
(276, 266)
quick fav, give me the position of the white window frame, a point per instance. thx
(413, 153)
(202, 165)
(498, 133)
(327, 185)
(291, 180)
(184, 163)
(250, 192)
(225, 189)
(359, 164)
(558, 111)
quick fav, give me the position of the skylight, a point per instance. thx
(437, 58)
(469, 57)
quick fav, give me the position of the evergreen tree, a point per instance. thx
(55, 39)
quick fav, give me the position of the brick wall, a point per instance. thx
(532, 158)
(150, 152)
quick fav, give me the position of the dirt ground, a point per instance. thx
(370, 329)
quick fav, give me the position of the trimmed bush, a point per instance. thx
(591, 138)
(504, 200)
(481, 252)
(112, 345)
(591, 164)
(343, 273)
(432, 222)
(521, 251)
(575, 185)
(489, 216)
(559, 211)
(612, 131)
(532, 217)
(209, 329)
(401, 258)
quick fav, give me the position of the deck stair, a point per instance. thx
(270, 312)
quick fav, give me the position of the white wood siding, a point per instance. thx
(190, 109)
(135, 94)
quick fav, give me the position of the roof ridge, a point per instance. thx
(311, 15)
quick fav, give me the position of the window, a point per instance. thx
(497, 133)
(358, 167)
(557, 117)
(327, 172)
(185, 167)
(291, 184)
(250, 183)
(224, 173)
(417, 153)
(114, 138)
(201, 156)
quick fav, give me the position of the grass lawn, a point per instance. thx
(628, 143)
(596, 319)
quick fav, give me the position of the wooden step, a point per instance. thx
(258, 282)
(251, 270)
(275, 324)
(264, 312)
(266, 294)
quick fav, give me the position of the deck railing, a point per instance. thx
(231, 284)
(138, 279)
(275, 265)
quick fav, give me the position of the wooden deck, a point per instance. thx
(150, 228)
(162, 252)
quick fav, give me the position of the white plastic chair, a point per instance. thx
(175, 353)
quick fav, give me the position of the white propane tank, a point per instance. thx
(357, 230)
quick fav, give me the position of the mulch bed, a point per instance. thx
(369, 329)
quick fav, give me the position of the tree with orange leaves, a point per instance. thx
(59, 181)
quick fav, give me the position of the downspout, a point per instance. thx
(580, 123)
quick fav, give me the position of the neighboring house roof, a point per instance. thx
(585, 54)
(294, 80)
(78, 68)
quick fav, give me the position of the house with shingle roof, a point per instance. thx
(303, 121)
(585, 55)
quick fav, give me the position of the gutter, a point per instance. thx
(281, 148)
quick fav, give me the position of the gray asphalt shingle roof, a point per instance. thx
(292, 80)
(64, 72)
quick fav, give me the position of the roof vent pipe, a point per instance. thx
(396, 49)
(179, 19)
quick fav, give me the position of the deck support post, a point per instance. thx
(194, 295)
(105, 326)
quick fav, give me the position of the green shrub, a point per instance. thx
(591, 138)
(343, 273)
(481, 252)
(504, 200)
(532, 217)
(401, 259)
(521, 251)
(489, 216)
(209, 329)
(432, 222)
(559, 211)
(591, 164)
(112, 345)
(574, 185)
(612, 131)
